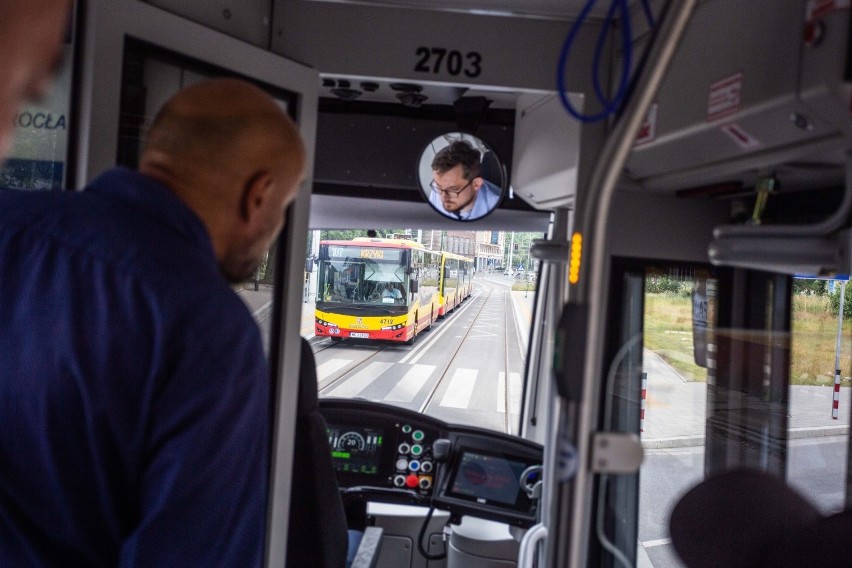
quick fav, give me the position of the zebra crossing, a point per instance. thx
(410, 384)
(466, 388)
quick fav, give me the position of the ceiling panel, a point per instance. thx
(407, 93)
(562, 9)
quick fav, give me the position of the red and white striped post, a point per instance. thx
(642, 403)
(835, 404)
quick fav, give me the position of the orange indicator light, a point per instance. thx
(576, 256)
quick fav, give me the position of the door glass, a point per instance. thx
(679, 311)
(819, 391)
(725, 384)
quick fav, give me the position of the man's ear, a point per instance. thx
(255, 192)
(477, 183)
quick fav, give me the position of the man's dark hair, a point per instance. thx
(459, 152)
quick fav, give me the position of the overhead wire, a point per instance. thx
(609, 105)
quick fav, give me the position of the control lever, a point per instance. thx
(531, 481)
(441, 449)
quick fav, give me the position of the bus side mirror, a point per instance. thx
(414, 286)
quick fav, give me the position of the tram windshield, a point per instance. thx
(426, 320)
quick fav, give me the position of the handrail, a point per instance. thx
(820, 229)
(579, 416)
(526, 553)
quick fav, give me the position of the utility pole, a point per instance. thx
(511, 248)
(835, 404)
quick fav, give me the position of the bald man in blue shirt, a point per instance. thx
(134, 392)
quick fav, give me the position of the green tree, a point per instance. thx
(847, 301)
(349, 234)
(810, 286)
(663, 283)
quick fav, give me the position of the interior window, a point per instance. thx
(39, 156)
(150, 76)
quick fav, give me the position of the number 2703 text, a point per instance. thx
(438, 59)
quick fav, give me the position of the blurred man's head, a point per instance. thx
(31, 33)
(228, 150)
(456, 176)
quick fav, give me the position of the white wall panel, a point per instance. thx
(248, 20)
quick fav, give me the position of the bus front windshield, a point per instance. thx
(353, 279)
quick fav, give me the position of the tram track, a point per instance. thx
(505, 375)
(341, 377)
(507, 309)
(434, 388)
(449, 362)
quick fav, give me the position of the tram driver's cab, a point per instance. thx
(383, 456)
(388, 456)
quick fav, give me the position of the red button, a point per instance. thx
(411, 481)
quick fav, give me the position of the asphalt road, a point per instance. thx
(466, 369)
(816, 468)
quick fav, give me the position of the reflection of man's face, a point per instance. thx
(453, 180)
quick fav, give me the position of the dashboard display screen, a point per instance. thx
(488, 479)
(355, 450)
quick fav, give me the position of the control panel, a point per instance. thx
(415, 466)
(391, 454)
(381, 447)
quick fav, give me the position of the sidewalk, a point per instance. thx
(260, 304)
(675, 410)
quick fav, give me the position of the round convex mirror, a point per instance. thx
(461, 177)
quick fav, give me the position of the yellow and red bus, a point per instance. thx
(456, 281)
(385, 289)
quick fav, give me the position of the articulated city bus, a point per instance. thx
(377, 289)
(675, 168)
(456, 276)
(386, 289)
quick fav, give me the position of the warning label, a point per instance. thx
(724, 97)
(648, 130)
(818, 8)
(742, 138)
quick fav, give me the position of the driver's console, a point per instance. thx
(395, 455)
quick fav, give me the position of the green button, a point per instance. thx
(417, 435)
(406, 429)
(416, 450)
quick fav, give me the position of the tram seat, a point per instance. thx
(490, 168)
(752, 519)
(318, 533)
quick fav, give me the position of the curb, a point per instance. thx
(673, 442)
(818, 431)
(698, 439)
